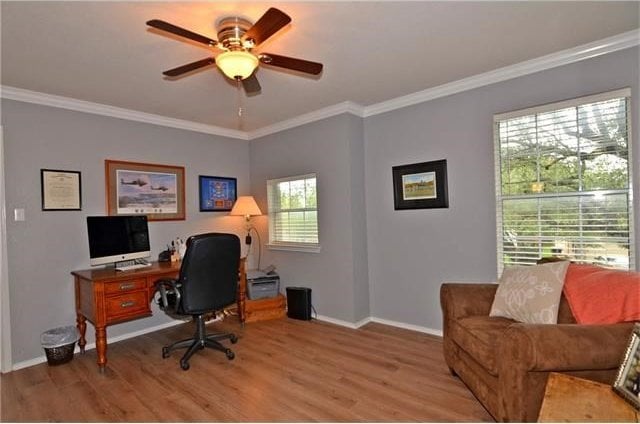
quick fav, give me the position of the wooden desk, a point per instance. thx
(572, 399)
(105, 296)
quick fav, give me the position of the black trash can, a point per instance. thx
(299, 303)
(59, 344)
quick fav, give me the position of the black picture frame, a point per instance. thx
(60, 190)
(217, 194)
(420, 185)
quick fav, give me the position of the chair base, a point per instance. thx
(199, 341)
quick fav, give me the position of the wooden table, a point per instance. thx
(261, 309)
(105, 296)
(572, 399)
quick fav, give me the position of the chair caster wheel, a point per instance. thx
(165, 352)
(233, 339)
(184, 365)
(230, 354)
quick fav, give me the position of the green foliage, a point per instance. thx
(564, 152)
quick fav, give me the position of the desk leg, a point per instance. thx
(81, 323)
(101, 347)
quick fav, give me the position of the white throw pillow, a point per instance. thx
(530, 294)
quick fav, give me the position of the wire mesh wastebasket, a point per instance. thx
(59, 344)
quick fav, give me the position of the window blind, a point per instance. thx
(293, 211)
(563, 182)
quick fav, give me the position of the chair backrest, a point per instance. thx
(209, 272)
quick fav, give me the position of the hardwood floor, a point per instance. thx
(284, 370)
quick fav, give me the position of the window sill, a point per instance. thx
(295, 248)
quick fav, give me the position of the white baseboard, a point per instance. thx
(412, 327)
(90, 346)
(367, 320)
(342, 323)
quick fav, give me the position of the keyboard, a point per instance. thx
(132, 266)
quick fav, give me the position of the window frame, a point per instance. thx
(293, 246)
(550, 107)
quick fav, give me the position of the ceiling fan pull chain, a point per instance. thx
(239, 101)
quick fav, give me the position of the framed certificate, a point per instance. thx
(61, 190)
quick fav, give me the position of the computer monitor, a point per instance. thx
(117, 238)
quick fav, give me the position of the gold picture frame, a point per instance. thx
(135, 188)
(627, 382)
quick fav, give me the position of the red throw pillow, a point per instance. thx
(599, 295)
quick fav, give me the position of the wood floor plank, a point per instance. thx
(285, 370)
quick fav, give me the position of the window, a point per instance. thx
(563, 182)
(293, 213)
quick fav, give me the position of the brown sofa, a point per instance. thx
(505, 363)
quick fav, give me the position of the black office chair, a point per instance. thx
(208, 282)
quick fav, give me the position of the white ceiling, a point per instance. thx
(372, 51)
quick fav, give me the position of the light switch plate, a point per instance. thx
(18, 214)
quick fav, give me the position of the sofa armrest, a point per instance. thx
(466, 299)
(528, 352)
(564, 347)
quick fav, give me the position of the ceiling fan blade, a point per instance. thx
(189, 67)
(300, 65)
(251, 84)
(272, 21)
(166, 26)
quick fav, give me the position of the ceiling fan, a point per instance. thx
(237, 38)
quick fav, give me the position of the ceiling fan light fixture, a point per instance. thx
(237, 64)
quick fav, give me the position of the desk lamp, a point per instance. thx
(246, 206)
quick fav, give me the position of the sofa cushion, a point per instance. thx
(530, 294)
(479, 336)
(599, 295)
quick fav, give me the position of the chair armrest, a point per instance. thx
(466, 299)
(564, 347)
(168, 290)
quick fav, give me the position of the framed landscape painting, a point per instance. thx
(145, 189)
(420, 185)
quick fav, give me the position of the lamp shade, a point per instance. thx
(245, 206)
(237, 64)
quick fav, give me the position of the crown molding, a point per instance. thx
(553, 60)
(317, 115)
(22, 95)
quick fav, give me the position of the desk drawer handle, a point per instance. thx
(127, 304)
(127, 286)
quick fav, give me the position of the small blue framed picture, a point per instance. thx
(217, 194)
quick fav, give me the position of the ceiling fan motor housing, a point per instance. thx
(230, 32)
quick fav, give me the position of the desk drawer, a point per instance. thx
(128, 305)
(124, 286)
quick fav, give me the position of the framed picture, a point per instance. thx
(145, 189)
(627, 382)
(217, 194)
(61, 190)
(420, 185)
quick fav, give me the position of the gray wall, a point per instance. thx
(332, 148)
(412, 252)
(48, 245)
(374, 261)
